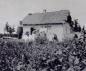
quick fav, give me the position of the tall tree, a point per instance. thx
(6, 27)
(69, 18)
(9, 29)
(76, 25)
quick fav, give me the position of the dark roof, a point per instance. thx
(46, 18)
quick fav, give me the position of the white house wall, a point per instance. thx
(55, 29)
(63, 31)
(66, 31)
(50, 30)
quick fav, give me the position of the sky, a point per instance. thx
(13, 11)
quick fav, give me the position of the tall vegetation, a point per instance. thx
(9, 29)
(16, 55)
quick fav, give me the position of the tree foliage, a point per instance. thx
(9, 29)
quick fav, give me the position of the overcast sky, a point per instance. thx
(15, 10)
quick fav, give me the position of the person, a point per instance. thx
(75, 36)
(55, 37)
(26, 36)
(20, 31)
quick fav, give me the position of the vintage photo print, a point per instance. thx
(42, 35)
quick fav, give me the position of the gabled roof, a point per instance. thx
(46, 18)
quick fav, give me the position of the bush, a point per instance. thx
(41, 38)
(16, 55)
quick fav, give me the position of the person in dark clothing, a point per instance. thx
(20, 32)
(32, 29)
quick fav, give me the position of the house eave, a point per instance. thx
(42, 24)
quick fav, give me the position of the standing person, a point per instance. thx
(20, 30)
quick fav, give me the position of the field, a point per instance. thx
(17, 55)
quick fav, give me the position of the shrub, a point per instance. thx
(41, 38)
(16, 54)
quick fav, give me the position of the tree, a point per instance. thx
(84, 33)
(9, 29)
(69, 18)
(6, 27)
(76, 27)
(79, 28)
(83, 29)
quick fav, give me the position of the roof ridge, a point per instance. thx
(48, 12)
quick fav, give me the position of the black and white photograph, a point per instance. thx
(42, 35)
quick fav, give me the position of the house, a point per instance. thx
(51, 22)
